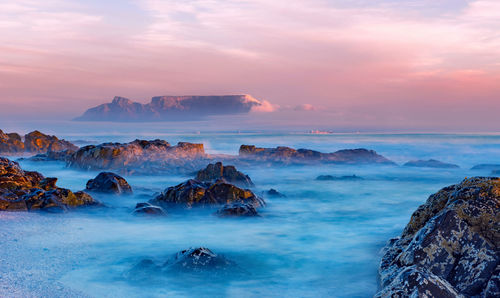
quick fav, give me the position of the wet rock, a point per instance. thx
(38, 142)
(274, 193)
(136, 155)
(194, 193)
(237, 210)
(340, 178)
(107, 182)
(10, 143)
(53, 156)
(149, 209)
(450, 246)
(198, 259)
(486, 166)
(431, 163)
(26, 191)
(216, 171)
(290, 155)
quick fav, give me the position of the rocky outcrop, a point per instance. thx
(237, 210)
(27, 191)
(450, 247)
(215, 171)
(10, 143)
(431, 163)
(290, 155)
(168, 108)
(38, 142)
(194, 193)
(338, 178)
(107, 182)
(137, 155)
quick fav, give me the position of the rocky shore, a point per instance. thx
(450, 247)
(34, 142)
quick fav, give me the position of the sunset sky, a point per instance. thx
(429, 64)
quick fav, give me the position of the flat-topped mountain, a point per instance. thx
(164, 108)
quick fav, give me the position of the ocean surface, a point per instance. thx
(323, 240)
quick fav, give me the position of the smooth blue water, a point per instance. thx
(322, 240)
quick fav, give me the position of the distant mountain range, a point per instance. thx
(167, 108)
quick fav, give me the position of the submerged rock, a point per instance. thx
(290, 155)
(237, 210)
(450, 247)
(431, 163)
(335, 178)
(38, 142)
(194, 193)
(274, 193)
(25, 191)
(148, 209)
(64, 155)
(486, 166)
(495, 172)
(216, 171)
(107, 182)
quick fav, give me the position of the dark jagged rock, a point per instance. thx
(237, 210)
(486, 166)
(450, 247)
(290, 155)
(136, 155)
(431, 163)
(148, 209)
(107, 182)
(216, 171)
(25, 191)
(40, 143)
(194, 193)
(340, 178)
(168, 108)
(10, 143)
(274, 193)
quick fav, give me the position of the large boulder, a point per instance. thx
(26, 191)
(193, 193)
(290, 155)
(215, 171)
(431, 163)
(107, 182)
(450, 247)
(10, 143)
(40, 143)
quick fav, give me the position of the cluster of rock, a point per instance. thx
(213, 191)
(34, 142)
(338, 178)
(290, 155)
(26, 191)
(450, 247)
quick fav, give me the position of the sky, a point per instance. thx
(431, 65)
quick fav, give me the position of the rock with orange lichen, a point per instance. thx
(10, 143)
(27, 191)
(40, 143)
(215, 171)
(450, 246)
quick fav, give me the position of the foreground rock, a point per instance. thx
(215, 171)
(237, 210)
(138, 155)
(194, 193)
(107, 182)
(27, 191)
(290, 155)
(450, 247)
(431, 163)
(335, 178)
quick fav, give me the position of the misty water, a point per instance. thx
(322, 240)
